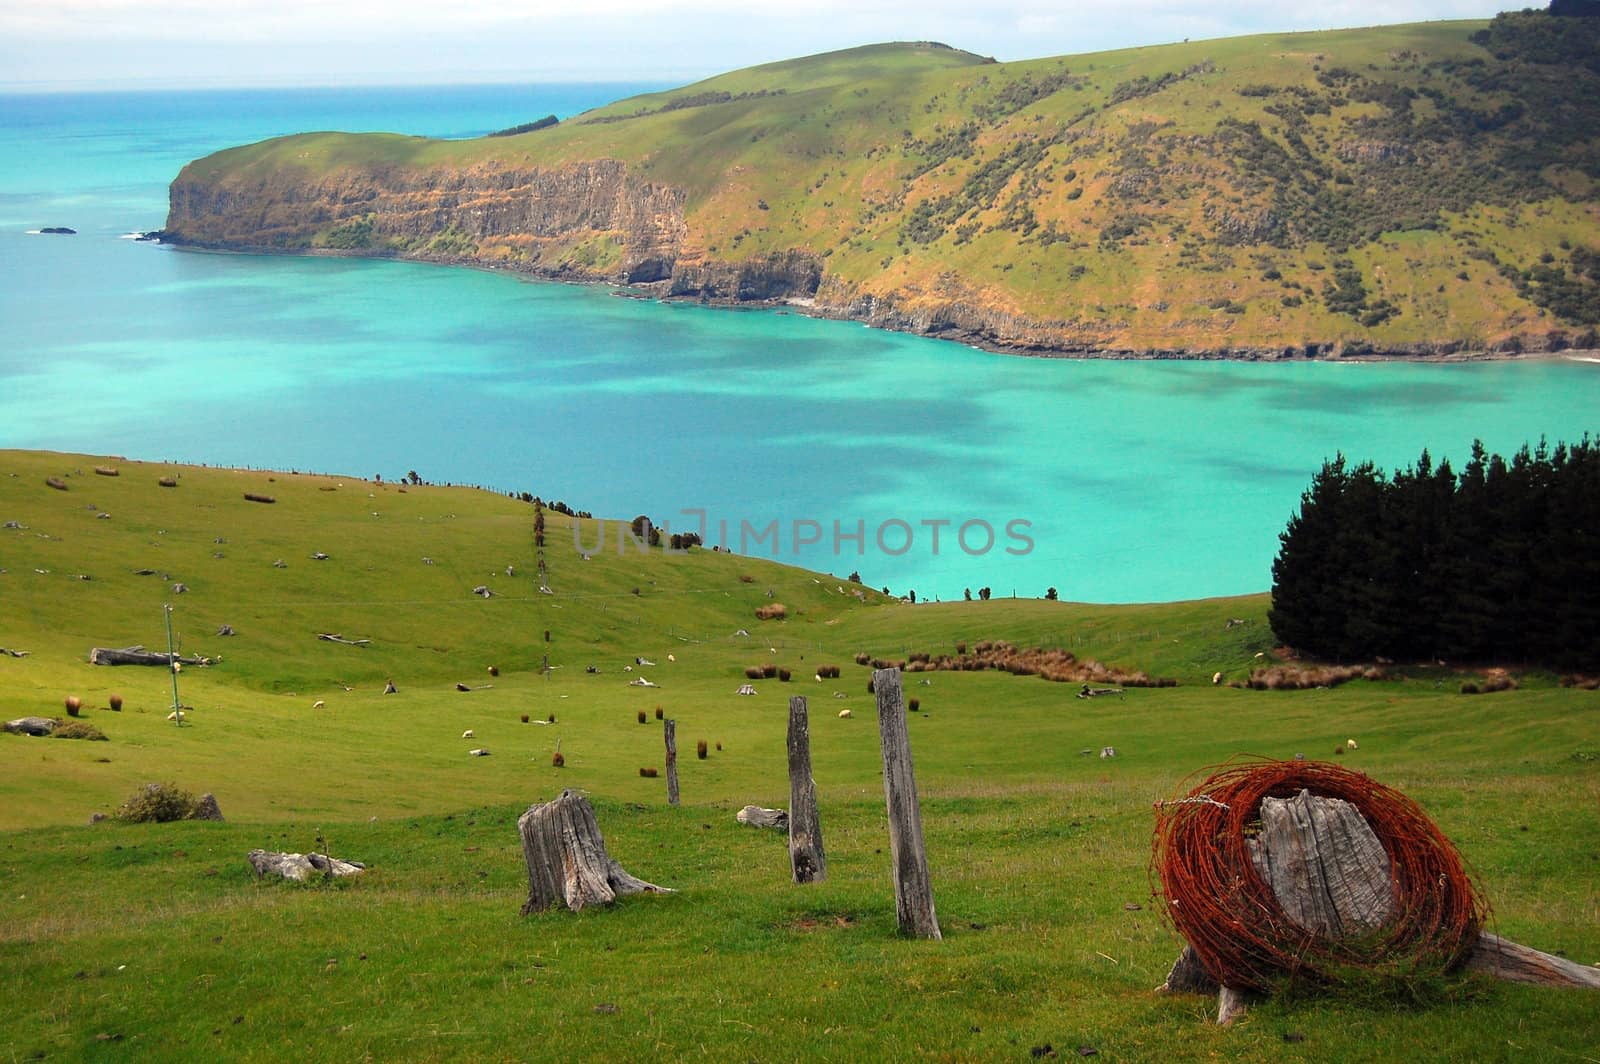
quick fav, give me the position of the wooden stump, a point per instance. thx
(913, 889)
(1331, 876)
(567, 859)
(806, 858)
(1325, 866)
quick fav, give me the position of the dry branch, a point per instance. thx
(138, 655)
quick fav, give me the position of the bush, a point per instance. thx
(79, 729)
(784, 675)
(754, 672)
(73, 704)
(157, 803)
(775, 611)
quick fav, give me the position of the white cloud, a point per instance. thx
(274, 41)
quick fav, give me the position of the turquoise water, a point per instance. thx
(1135, 481)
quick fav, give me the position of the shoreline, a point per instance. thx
(808, 306)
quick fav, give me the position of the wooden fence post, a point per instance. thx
(913, 890)
(810, 864)
(671, 732)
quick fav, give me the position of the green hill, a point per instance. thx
(121, 939)
(1417, 189)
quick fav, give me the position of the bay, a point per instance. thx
(919, 463)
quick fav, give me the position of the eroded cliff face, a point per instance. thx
(597, 221)
(590, 220)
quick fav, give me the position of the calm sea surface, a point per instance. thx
(1136, 481)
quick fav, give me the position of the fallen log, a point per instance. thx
(14, 653)
(301, 866)
(1505, 959)
(335, 637)
(138, 655)
(567, 859)
(756, 817)
(31, 725)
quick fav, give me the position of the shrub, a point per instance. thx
(551, 719)
(116, 703)
(773, 611)
(557, 760)
(157, 803)
(784, 675)
(74, 705)
(754, 672)
(700, 749)
(642, 718)
(79, 729)
(863, 658)
(524, 718)
(648, 773)
(914, 705)
(658, 713)
(769, 670)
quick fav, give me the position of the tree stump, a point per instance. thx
(1331, 876)
(567, 859)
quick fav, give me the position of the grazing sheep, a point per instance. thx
(318, 704)
(1216, 678)
(469, 734)
(846, 714)
(1351, 744)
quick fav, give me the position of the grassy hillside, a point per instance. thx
(1404, 188)
(156, 940)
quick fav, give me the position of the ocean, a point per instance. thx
(921, 464)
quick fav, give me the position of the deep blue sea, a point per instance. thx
(1111, 481)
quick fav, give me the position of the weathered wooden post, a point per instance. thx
(913, 890)
(809, 863)
(671, 733)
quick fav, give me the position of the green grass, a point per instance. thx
(1077, 200)
(158, 938)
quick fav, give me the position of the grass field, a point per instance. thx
(155, 941)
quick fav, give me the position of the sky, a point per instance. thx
(120, 44)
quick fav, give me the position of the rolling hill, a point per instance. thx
(1417, 189)
(157, 939)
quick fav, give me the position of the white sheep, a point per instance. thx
(846, 714)
(469, 734)
(318, 704)
(1351, 744)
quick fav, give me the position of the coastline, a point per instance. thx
(1447, 352)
